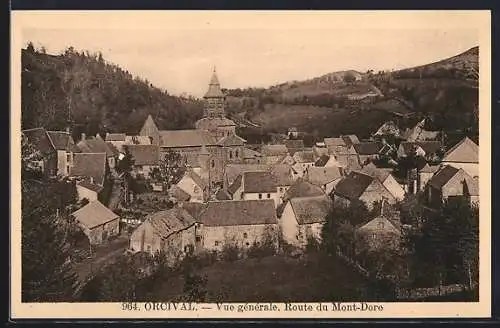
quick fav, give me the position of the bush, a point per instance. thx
(230, 252)
(258, 250)
(313, 245)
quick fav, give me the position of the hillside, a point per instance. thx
(97, 96)
(353, 102)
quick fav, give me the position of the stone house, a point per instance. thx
(350, 139)
(471, 190)
(146, 158)
(335, 146)
(360, 186)
(173, 232)
(425, 174)
(367, 151)
(195, 186)
(464, 155)
(255, 186)
(302, 160)
(40, 140)
(251, 156)
(239, 223)
(65, 146)
(116, 139)
(294, 145)
(98, 222)
(284, 178)
(98, 145)
(303, 218)
(324, 177)
(303, 188)
(273, 154)
(88, 190)
(445, 183)
(92, 172)
(386, 178)
(232, 171)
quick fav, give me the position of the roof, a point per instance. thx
(185, 138)
(212, 123)
(294, 145)
(232, 140)
(91, 165)
(235, 185)
(137, 140)
(196, 178)
(90, 186)
(472, 186)
(231, 171)
(115, 137)
(170, 221)
(259, 182)
(94, 214)
(282, 174)
(179, 194)
(353, 185)
(311, 209)
(350, 139)
(144, 154)
(39, 138)
(465, 151)
(320, 176)
(214, 90)
(388, 128)
(236, 212)
(368, 147)
(333, 142)
(304, 156)
(429, 169)
(322, 160)
(373, 171)
(112, 147)
(442, 177)
(193, 208)
(250, 153)
(148, 126)
(63, 141)
(303, 188)
(430, 147)
(95, 145)
(320, 151)
(274, 150)
(222, 195)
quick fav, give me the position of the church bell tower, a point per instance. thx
(214, 98)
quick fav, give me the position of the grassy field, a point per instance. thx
(276, 278)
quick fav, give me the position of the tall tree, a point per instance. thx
(172, 168)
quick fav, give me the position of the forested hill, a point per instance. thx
(100, 96)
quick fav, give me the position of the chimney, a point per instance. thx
(91, 180)
(83, 136)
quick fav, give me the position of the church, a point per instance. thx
(211, 145)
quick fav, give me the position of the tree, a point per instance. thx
(349, 78)
(30, 47)
(30, 156)
(172, 168)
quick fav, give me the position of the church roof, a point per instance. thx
(232, 140)
(149, 125)
(214, 90)
(185, 138)
(212, 123)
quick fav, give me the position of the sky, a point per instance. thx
(178, 51)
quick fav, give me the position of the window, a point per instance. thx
(245, 235)
(68, 157)
(380, 225)
(268, 195)
(198, 238)
(236, 154)
(281, 189)
(248, 244)
(213, 163)
(230, 154)
(260, 196)
(216, 243)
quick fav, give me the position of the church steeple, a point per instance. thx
(214, 98)
(214, 90)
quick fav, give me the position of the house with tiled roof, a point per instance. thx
(301, 188)
(303, 218)
(242, 223)
(357, 186)
(97, 221)
(425, 174)
(324, 177)
(255, 186)
(195, 186)
(293, 145)
(418, 133)
(65, 146)
(367, 151)
(232, 171)
(445, 183)
(97, 145)
(471, 190)
(335, 145)
(384, 175)
(172, 232)
(273, 154)
(251, 156)
(116, 139)
(145, 157)
(464, 155)
(284, 177)
(302, 160)
(40, 140)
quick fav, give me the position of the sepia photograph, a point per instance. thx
(261, 164)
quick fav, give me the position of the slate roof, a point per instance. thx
(235, 185)
(231, 171)
(373, 171)
(179, 194)
(222, 195)
(320, 176)
(259, 182)
(440, 178)
(430, 147)
(95, 145)
(353, 185)
(144, 154)
(282, 174)
(214, 90)
(232, 140)
(236, 212)
(39, 138)
(350, 139)
(368, 147)
(274, 150)
(115, 137)
(185, 138)
(250, 153)
(94, 214)
(304, 156)
(193, 208)
(170, 221)
(91, 186)
(294, 145)
(322, 160)
(63, 141)
(112, 147)
(148, 126)
(465, 151)
(303, 188)
(311, 209)
(333, 142)
(91, 165)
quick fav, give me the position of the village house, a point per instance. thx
(367, 151)
(91, 171)
(195, 186)
(425, 175)
(380, 232)
(300, 188)
(98, 145)
(145, 157)
(98, 222)
(251, 156)
(350, 139)
(388, 131)
(302, 160)
(223, 195)
(362, 187)
(274, 154)
(293, 132)
(238, 223)
(324, 177)
(418, 133)
(335, 146)
(232, 171)
(174, 232)
(294, 145)
(65, 146)
(471, 190)
(303, 219)
(445, 183)
(255, 185)
(178, 195)
(284, 177)
(386, 178)
(40, 140)
(464, 155)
